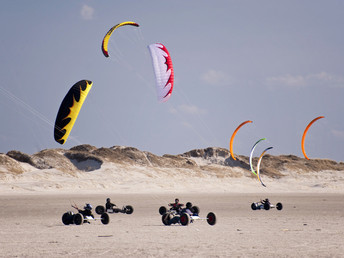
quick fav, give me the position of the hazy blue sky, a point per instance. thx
(277, 63)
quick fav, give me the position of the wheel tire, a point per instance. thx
(105, 218)
(184, 219)
(78, 219)
(211, 218)
(279, 206)
(195, 209)
(162, 210)
(267, 206)
(253, 206)
(67, 218)
(166, 219)
(100, 209)
(129, 209)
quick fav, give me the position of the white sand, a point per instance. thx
(310, 225)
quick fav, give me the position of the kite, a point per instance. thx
(304, 135)
(163, 70)
(251, 154)
(109, 33)
(258, 165)
(69, 110)
(233, 135)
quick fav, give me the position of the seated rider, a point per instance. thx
(266, 201)
(109, 205)
(87, 211)
(188, 209)
(176, 205)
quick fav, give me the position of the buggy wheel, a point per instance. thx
(184, 219)
(162, 210)
(129, 209)
(100, 209)
(267, 206)
(195, 209)
(166, 219)
(78, 219)
(211, 218)
(105, 218)
(67, 218)
(279, 206)
(253, 206)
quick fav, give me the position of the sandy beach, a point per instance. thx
(310, 225)
(36, 190)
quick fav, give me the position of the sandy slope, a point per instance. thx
(129, 170)
(138, 179)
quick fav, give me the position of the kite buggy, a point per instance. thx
(265, 205)
(83, 216)
(177, 206)
(183, 216)
(112, 208)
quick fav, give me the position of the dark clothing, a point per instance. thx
(86, 213)
(176, 206)
(109, 205)
(265, 201)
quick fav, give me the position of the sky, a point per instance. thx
(276, 63)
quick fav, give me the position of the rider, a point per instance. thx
(266, 201)
(109, 205)
(87, 211)
(188, 209)
(176, 205)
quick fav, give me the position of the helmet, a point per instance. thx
(176, 200)
(108, 200)
(88, 206)
(188, 205)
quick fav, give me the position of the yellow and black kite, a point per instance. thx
(69, 110)
(109, 33)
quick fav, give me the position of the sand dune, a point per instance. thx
(129, 170)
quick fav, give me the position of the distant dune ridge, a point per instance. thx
(119, 168)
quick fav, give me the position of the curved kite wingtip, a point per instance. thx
(251, 155)
(109, 33)
(304, 135)
(258, 165)
(233, 135)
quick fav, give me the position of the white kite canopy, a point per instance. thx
(258, 165)
(251, 154)
(163, 70)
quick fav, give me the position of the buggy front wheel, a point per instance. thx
(129, 209)
(279, 206)
(211, 218)
(105, 218)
